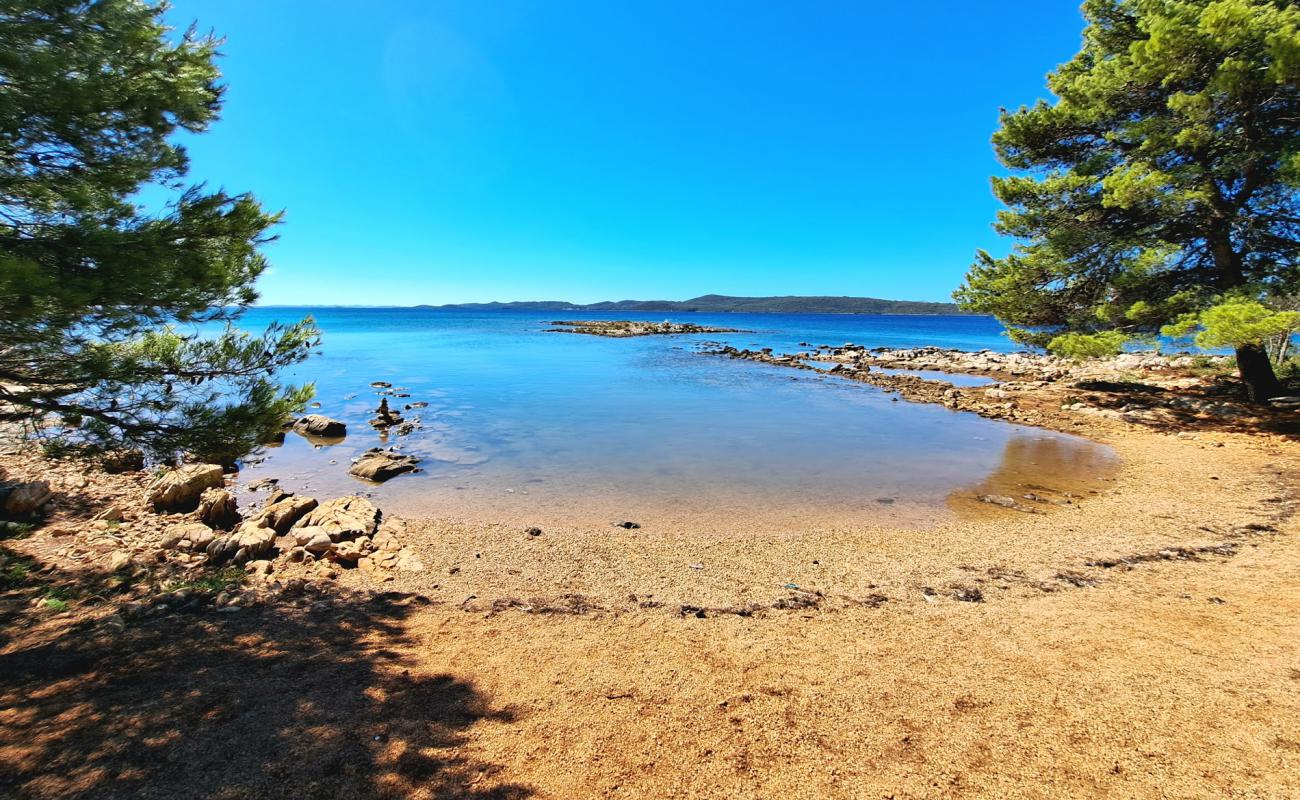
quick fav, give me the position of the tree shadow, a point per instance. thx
(314, 699)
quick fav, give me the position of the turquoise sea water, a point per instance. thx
(528, 426)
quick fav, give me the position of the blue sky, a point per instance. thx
(432, 152)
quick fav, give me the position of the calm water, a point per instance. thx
(525, 426)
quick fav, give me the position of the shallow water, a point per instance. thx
(529, 427)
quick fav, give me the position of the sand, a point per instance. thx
(1142, 642)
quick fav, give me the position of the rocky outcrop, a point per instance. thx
(343, 518)
(181, 488)
(623, 328)
(321, 426)
(248, 542)
(380, 465)
(281, 513)
(218, 508)
(190, 537)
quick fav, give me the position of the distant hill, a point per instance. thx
(717, 303)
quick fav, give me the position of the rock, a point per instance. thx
(320, 425)
(1285, 403)
(346, 551)
(248, 543)
(217, 508)
(119, 561)
(192, 536)
(628, 525)
(111, 514)
(26, 498)
(998, 500)
(283, 512)
(314, 540)
(384, 416)
(122, 461)
(343, 518)
(534, 531)
(380, 465)
(259, 567)
(181, 488)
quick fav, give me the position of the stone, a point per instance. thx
(26, 498)
(380, 465)
(346, 551)
(111, 514)
(343, 518)
(119, 561)
(247, 543)
(282, 512)
(320, 425)
(314, 540)
(218, 508)
(193, 536)
(180, 489)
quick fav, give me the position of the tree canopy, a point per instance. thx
(102, 299)
(1160, 182)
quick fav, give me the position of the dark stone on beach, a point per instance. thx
(968, 594)
(628, 525)
(885, 500)
(534, 531)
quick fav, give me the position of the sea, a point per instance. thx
(520, 425)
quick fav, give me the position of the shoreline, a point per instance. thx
(1138, 643)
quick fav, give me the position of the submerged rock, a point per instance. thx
(380, 465)
(320, 425)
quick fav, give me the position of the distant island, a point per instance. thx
(717, 303)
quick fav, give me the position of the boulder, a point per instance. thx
(380, 465)
(343, 518)
(283, 512)
(189, 536)
(181, 488)
(217, 508)
(320, 425)
(313, 539)
(26, 498)
(249, 542)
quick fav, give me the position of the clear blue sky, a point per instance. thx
(431, 152)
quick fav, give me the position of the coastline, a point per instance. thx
(940, 646)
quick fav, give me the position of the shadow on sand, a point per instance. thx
(308, 700)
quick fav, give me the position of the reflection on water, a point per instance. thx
(527, 427)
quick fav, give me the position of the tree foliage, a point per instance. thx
(1161, 181)
(102, 300)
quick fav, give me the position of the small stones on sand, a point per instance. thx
(631, 526)
(533, 531)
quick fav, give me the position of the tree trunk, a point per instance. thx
(1257, 373)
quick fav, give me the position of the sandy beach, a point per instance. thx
(1135, 642)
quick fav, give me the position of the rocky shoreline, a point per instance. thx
(622, 329)
(1148, 389)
